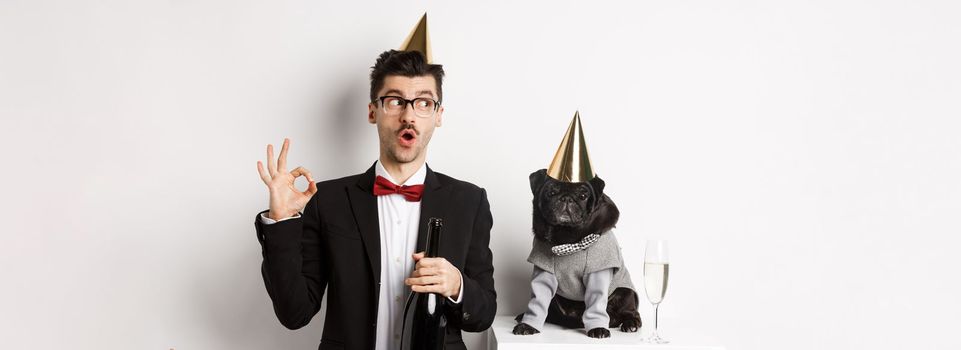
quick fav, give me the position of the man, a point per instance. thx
(356, 236)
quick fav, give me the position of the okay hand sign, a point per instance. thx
(285, 199)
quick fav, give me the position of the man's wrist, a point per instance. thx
(456, 297)
(268, 220)
(278, 215)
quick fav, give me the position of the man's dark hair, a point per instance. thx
(407, 64)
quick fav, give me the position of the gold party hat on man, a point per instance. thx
(571, 162)
(419, 40)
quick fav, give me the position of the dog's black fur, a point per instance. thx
(564, 213)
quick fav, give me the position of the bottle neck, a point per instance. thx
(434, 226)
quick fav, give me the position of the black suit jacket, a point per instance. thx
(335, 247)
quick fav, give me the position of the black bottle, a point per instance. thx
(425, 324)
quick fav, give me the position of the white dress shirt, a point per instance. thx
(399, 221)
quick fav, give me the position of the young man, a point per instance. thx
(356, 236)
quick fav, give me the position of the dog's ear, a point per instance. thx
(598, 185)
(605, 215)
(537, 179)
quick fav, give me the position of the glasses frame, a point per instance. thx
(410, 103)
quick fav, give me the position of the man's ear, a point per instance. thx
(372, 113)
(598, 185)
(440, 115)
(537, 179)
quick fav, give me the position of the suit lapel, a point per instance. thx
(363, 203)
(434, 203)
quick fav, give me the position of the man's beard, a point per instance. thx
(394, 150)
(402, 158)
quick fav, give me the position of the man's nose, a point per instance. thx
(408, 115)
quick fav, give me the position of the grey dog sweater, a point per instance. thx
(588, 275)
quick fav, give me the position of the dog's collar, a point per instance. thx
(571, 248)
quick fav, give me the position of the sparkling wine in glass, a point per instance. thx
(655, 281)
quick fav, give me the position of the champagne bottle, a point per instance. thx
(425, 324)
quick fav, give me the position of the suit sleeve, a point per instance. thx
(292, 268)
(476, 311)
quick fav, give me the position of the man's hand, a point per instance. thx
(285, 199)
(434, 275)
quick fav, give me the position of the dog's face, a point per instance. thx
(565, 203)
(565, 212)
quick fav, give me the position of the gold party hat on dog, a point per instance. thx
(571, 162)
(419, 40)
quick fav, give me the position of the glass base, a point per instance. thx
(655, 339)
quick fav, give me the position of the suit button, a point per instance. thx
(466, 316)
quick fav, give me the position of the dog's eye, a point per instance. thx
(583, 196)
(552, 192)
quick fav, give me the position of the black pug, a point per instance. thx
(565, 215)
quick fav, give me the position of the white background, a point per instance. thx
(802, 158)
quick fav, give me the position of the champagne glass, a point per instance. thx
(655, 281)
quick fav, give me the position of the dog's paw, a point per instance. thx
(525, 329)
(599, 333)
(630, 325)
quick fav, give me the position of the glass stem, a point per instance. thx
(655, 316)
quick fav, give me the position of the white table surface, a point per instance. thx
(499, 337)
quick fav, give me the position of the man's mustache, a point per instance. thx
(408, 126)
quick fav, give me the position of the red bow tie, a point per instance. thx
(382, 186)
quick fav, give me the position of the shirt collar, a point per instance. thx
(416, 179)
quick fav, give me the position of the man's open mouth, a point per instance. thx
(407, 137)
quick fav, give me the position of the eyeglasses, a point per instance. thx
(395, 105)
